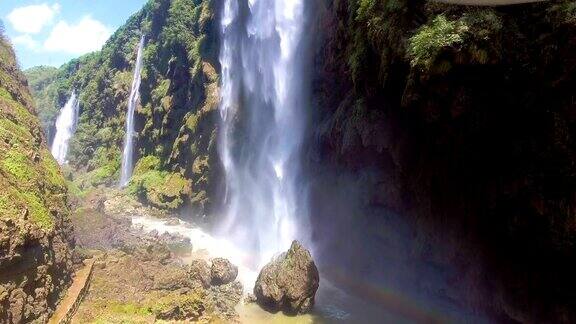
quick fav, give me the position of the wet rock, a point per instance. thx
(223, 271)
(249, 299)
(172, 222)
(151, 252)
(224, 299)
(289, 282)
(199, 273)
(176, 240)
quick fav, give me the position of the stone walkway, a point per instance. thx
(69, 305)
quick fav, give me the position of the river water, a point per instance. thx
(334, 304)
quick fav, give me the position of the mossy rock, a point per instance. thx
(160, 189)
(35, 230)
(189, 306)
(31, 183)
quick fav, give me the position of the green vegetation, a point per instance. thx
(177, 115)
(161, 189)
(146, 164)
(31, 185)
(115, 311)
(431, 40)
(472, 38)
(16, 164)
(106, 168)
(37, 209)
(41, 81)
(181, 307)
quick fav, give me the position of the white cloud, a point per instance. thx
(86, 36)
(25, 40)
(32, 19)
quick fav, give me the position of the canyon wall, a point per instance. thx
(440, 147)
(455, 122)
(35, 231)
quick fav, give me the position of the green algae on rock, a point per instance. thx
(35, 232)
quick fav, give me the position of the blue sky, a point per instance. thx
(51, 32)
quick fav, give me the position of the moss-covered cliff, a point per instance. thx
(461, 120)
(35, 232)
(177, 115)
(457, 119)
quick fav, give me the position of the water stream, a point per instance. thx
(128, 151)
(263, 120)
(65, 127)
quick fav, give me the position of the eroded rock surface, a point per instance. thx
(139, 278)
(199, 273)
(223, 271)
(288, 283)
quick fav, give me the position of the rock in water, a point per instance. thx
(289, 282)
(223, 272)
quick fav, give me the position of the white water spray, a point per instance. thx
(128, 152)
(65, 127)
(262, 94)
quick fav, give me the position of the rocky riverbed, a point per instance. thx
(152, 266)
(139, 275)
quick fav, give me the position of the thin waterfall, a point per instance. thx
(65, 127)
(263, 121)
(128, 151)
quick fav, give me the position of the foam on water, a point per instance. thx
(202, 241)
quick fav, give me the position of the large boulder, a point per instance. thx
(223, 271)
(289, 282)
(199, 273)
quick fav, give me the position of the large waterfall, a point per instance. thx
(65, 128)
(262, 110)
(128, 152)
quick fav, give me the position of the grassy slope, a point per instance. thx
(30, 179)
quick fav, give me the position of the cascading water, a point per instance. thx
(128, 152)
(65, 128)
(263, 122)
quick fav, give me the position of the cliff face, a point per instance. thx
(35, 232)
(177, 115)
(459, 120)
(441, 143)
